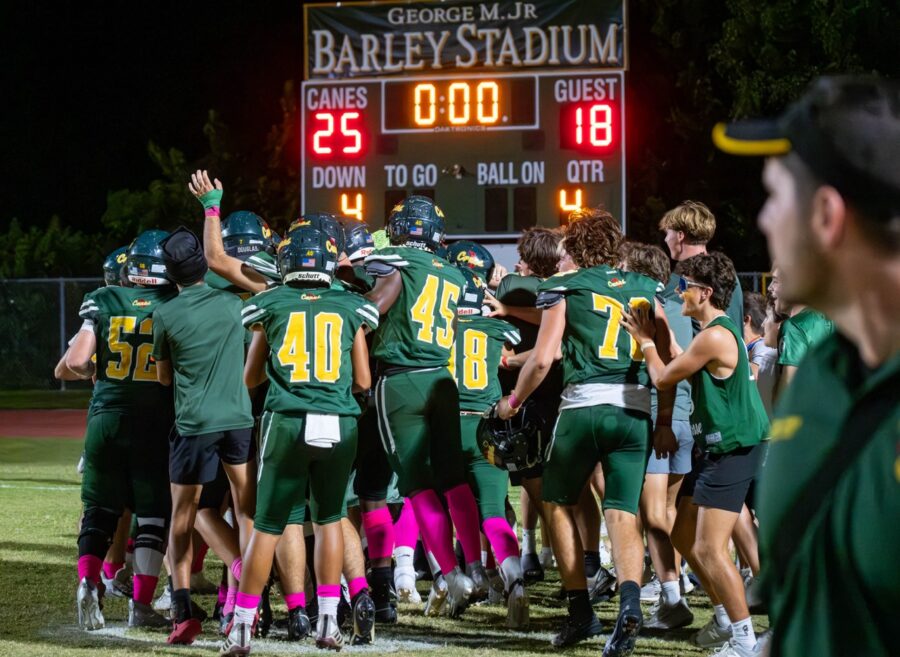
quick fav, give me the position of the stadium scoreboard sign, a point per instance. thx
(508, 114)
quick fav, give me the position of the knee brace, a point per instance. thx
(149, 545)
(97, 530)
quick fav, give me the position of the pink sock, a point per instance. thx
(502, 538)
(356, 585)
(144, 588)
(246, 600)
(406, 529)
(89, 567)
(379, 532)
(223, 592)
(129, 546)
(199, 555)
(230, 598)
(110, 569)
(236, 567)
(436, 531)
(464, 511)
(294, 600)
(328, 590)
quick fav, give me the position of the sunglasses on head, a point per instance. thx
(684, 284)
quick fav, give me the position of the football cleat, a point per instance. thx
(87, 600)
(141, 615)
(298, 626)
(496, 594)
(712, 636)
(548, 561)
(225, 622)
(624, 635)
(670, 617)
(266, 617)
(573, 631)
(79, 467)
(164, 601)
(531, 566)
(602, 586)
(405, 585)
(185, 632)
(119, 585)
(651, 590)
(436, 597)
(363, 619)
(459, 592)
(481, 583)
(517, 617)
(734, 649)
(237, 641)
(202, 586)
(328, 633)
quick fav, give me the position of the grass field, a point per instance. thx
(39, 508)
(44, 399)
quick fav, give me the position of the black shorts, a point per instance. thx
(721, 481)
(373, 472)
(213, 494)
(195, 459)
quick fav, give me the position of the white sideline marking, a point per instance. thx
(73, 487)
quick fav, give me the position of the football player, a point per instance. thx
(126, 449)
(604, 416)
(309, 341)
(416, 396)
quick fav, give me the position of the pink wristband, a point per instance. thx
(212, 212)
(514, 402)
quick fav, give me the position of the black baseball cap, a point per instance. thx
(845, 129)
(183, 254)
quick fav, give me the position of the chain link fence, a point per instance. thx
(40, 315)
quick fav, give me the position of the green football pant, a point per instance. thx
(418, 417)
(489, 483)
(287, 465)
(617, 438)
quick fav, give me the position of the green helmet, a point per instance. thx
(324, 221)
(112, 266)
(358, 241)
(307, 257)
(417, 222)
(471, 255)
(472, 297)
(245, 233)
(144, 262)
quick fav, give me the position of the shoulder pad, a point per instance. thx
(380, 268)
(548, 299)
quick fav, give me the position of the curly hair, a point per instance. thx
(593, 237)
(714, 270)
(692, 218)
(646, 259)
(537, 249)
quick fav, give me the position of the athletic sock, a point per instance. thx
(671, 592)
(435, 526)
(379, 528)
(236, 568)
(89, 568)
(528, 542)
(181, 605)
(722, 619)
(245, 607)
(328, 596)
(110, 569)
(222, 593)
(230, 600)
(742, 633)
(406, 529)
(591, 563)
(630, 597)
(294, 600)
(144, 587)
(464, 512)
(501, 537)
(579, 605)
(405, 558)
(355, 585)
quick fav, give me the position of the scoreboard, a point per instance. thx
(499, 145)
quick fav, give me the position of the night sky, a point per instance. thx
(85, 85)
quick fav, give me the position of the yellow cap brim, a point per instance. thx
(737, 142)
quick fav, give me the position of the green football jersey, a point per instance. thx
(418, 329)
(476, 359)
(123, 324)
(800, 332)
(727, 413)
(216, 282)
(310, 333)
(595, 347)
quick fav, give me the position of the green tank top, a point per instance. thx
(727, 413)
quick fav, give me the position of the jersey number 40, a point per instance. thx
(294, 350)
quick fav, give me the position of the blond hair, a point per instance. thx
(692, 218)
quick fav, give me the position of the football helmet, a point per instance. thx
(144, 262)
(418, 222)
(472, 297)
(112, 266)
(307, 257)
(245, 233)
(322, 221)
(358, 241)
(466, 253)
(515, 444)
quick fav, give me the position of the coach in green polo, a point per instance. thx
(198, 342)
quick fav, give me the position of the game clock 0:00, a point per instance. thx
(499, 153)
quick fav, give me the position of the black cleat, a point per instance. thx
(573, 631)
(532, 568)
(602, 586)
(298, 626)
(266, 617)
(363, 619)
(384, 603)
(344, 612)
(621, 641)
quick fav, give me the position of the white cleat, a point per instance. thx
(546, 558)
(459, 591)
(405, 585)
(712, 636)
(119, 586)
(436, 597)
(328, 633)
(237, 641)
(164, 601)
(87, 600)
(517, 613)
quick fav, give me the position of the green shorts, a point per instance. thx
(617, 438)
(418, 417)
(287, 465)
(489, 483)
(126, 462)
